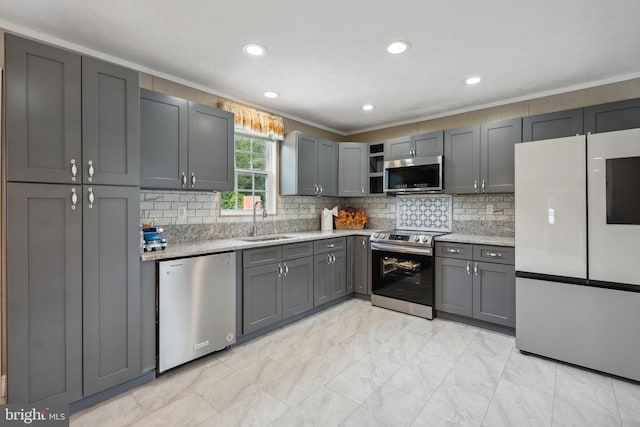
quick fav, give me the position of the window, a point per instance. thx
(254, 176)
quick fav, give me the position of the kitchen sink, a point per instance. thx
(265, 238)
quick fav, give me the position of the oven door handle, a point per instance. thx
(401, 249)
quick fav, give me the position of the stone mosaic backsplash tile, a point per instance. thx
(424, 212)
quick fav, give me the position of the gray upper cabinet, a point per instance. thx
(110, 124)
(328, 167)
(497, 145)
(308, 166)
(398, 148)
(211, 148)
(406, 147)
(164, 138)
(462, 159)
(44, 294)
(185, 145)
(43, 112)
(111, 287)
(70, 119)
(353, 175)
(479, 158)
(612, 116)
(553, 125)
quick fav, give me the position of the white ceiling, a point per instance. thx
(327, 58)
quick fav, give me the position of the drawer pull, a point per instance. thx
(332, 245)
(494, 254)
(453, 251)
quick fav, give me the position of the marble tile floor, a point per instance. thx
(358, 365)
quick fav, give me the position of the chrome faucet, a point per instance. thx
(264, 215)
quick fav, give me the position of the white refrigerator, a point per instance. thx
(577, 248)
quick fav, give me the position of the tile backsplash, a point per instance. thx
(202, 219)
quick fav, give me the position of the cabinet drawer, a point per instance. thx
(261, 256)
(297, 250)
(329, 245)
(454, 250)
(496, 254)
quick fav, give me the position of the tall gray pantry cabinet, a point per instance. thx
(73, 278)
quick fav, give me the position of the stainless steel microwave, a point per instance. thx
(416, 175)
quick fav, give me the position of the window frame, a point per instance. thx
(271, 187)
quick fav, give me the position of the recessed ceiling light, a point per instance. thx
(271, 94)
(368, 107)
(398, 47)
(254, 49)
(473, 80)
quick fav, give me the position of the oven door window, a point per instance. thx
(407, 277)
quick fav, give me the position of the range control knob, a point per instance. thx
(375, 235)
(423, 239)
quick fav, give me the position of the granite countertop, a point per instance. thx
(477, 239)
(180, 250)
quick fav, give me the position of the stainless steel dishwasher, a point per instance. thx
(197, 307)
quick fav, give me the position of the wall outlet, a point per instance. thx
(489, 210)
(182, 212)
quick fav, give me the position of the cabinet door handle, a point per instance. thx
(321, 190)
(286, 269)
(279, 270)
(475, 185)
(328, 258)
(362, 190)
(91, 198)
(364, 244)
(184, 180)
(453, 251)
(483, 185)
(74, 198)
(468, 267)
(90, 171)
(193, 179)
(333, 258)
(74, 170)
(475, 269)
(317, 189)
(494, 254)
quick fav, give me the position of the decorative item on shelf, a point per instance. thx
(350, 219)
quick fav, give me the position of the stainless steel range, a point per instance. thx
(403, 271)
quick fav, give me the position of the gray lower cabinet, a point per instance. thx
(73, 289)
(480, 158)
(329, 277)
(559, 124)
(262, 297)
(358, 264)
(277, 284)
(44, 294)
(494, 297)
(353, 172)
(482, 286)
(111, 287)
(297, 286)
(454, 286)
